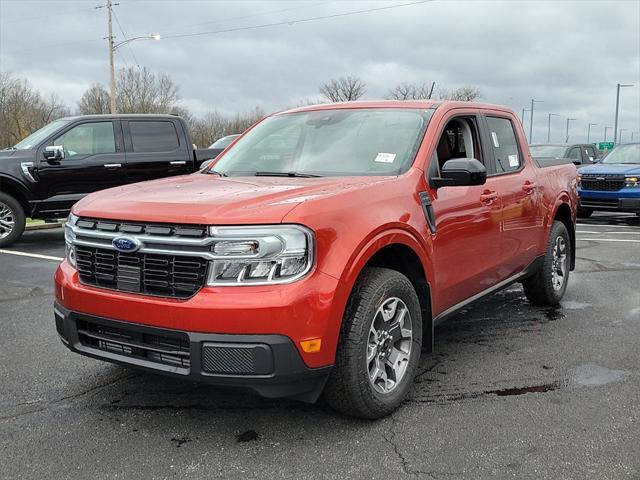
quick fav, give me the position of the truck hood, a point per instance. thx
(209, 199)
(610, 169)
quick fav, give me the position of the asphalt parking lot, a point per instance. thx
(511, 391)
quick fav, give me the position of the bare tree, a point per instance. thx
(141, 91)
(95, 100)
(23, 110)
(408, 91)
(466, 94)
(343, 89)
(215, 125)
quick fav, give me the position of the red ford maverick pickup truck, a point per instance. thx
(318, 253)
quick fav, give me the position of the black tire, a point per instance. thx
(349, 389)
(15, 213)
(584, 212)
(539, 288)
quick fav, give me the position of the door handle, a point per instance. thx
(178, 162)
(488, 196)
(112, 165)
(529, 186)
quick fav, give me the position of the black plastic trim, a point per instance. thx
(427, 208)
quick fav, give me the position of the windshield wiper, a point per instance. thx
(286, 174)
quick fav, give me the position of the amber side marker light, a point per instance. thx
(311, 346)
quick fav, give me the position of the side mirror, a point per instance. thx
(577, 162)
(54, 152)
(459, 172)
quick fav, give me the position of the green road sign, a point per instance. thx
(605, 146)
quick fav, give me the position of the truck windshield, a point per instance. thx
(624, 154)
(551, 151)
(36, 137)
(340, 142)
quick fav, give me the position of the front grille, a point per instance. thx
(153, 345)
(598, 202)
(602, 183)
(150, 274)
(143, 229)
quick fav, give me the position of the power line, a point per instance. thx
(300, 20)
(125, 37)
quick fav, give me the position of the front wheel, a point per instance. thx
(548, 284)
(379, 346)
(12, 220)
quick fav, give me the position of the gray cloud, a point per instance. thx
(569, 54)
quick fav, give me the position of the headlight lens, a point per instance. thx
(260, 255)
(632, 182)
(69, 238)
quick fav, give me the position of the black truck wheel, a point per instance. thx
(12, 220)
(379, 346)
(584, 212)
(548, 284)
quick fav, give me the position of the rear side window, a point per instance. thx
(504, 144)
(154, 136)
(590, 154)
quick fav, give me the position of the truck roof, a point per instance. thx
(110, 116)
(409, 104)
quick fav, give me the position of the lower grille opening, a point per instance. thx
(166, 348)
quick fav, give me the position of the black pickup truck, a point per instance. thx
(54, 167)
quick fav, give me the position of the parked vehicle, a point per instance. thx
(224, 142)
(578, 154)
(47, 172)
(319, 251)
(613, 185)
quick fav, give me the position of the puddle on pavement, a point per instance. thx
(248, 436)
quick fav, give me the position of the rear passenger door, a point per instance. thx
(155, 148)
(519, 191)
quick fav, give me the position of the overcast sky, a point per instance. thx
(569, 54)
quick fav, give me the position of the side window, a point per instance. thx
(154, 136)
(504, 143)
(88, 139)
(459, 139)
(590, 154)
(574, 154)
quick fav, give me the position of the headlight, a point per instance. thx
(260, 255)
(632, 182)
(69, 238)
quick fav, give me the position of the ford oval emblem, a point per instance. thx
(126, 244)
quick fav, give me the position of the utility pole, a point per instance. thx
(112, 71)
(567, 137)
(533, 102)
(589, 131)
(549, 126)
(615, 125)
(605, 133)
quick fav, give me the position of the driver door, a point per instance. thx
(93, 160)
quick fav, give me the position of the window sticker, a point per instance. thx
(513, 161)
(385, 158)
(495, 140)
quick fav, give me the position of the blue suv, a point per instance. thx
(613, 184)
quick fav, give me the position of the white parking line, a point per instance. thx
(605, 225)
(608, 233)
(589, 239)
(32, 255)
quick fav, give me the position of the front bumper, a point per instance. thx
(269, 365)
(627, 200)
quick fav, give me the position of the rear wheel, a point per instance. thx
(584, 212)
(548, 284)
(379, 346)
(12, 220)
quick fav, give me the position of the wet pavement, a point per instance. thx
(511, 391)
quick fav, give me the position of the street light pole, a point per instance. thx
(589, 132)
(615, 125)
(549, 126)
(567, 137)
(533, 102)
(605, 133)
(522, 117)
(112, 73)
